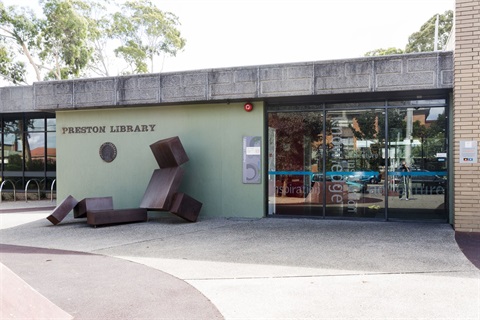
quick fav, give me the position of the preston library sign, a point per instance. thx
(111, 129)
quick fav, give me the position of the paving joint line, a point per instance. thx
(161, 238)
(334, 275)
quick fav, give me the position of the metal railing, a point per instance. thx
(51, 190)
(14, 190)
(26, 188)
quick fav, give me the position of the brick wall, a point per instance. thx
(466, 114)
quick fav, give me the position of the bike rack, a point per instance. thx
(26, 188)
(51, 190)
(14, 191)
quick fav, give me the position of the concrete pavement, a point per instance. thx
(247, 269)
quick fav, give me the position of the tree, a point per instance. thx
(100, 21)
(19, 31)
(65, 38)
(423, 40)
(74, 37)
(55, 46)
(11, 71)
(384, 52)
(145, 32)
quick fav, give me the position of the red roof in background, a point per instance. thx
(39, 152)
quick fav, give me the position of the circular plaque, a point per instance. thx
(108, 152)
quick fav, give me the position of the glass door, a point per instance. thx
(346, 160)
(295, 149)
(417, 173)
(354, 163)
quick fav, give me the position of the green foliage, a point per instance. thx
(134, 55)
(145, 32)
(65, 37)
(291, 130)
(366, 122)
(423, 40)
(10, 70)
(19, 32)
(56, 44)
(396, 124)
(384, 52)
(35, 165)
(74, 37)
(14, 163)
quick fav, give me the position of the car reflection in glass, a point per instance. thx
(353, 186)
(365, 175)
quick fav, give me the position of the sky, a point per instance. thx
(236, 33)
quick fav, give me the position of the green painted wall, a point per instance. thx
(211, 135)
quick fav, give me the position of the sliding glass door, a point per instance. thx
(354, 163)
(295, 159)
(417, 173)
(343, 160)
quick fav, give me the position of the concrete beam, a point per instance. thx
(433, 70)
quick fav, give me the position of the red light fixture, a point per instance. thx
(248, 107)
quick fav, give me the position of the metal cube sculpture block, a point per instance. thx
(161, 189)
(105, 217)
(186, 207)
(61, 211)
(169, 152)
(161, 193)
(90, 204)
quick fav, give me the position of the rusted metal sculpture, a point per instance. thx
(162, 191)
(186, 207)
(169, 152)
(62, 210)
(162, 187)
(104, 217)
(89, 204)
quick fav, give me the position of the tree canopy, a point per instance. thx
(384, 52)
(74, 38)
(424, 39)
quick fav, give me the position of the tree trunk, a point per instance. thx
(30, 59)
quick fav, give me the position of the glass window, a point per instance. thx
(51, 151)
(35, 151)
(13, 145)
(28, 151)
(357, 105)
(418, 103)
(51, 124)
(35, 125)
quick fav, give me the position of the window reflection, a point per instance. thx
(35, 152)
(28, 151)
(339, 161)
(51, 125)
(12, 145)
(51, 151)
(35, 124)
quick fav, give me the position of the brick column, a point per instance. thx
(466, 114)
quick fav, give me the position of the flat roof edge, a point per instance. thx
(405, 72)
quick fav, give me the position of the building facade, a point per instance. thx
(466, 117)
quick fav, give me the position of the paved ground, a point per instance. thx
(242, 269)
